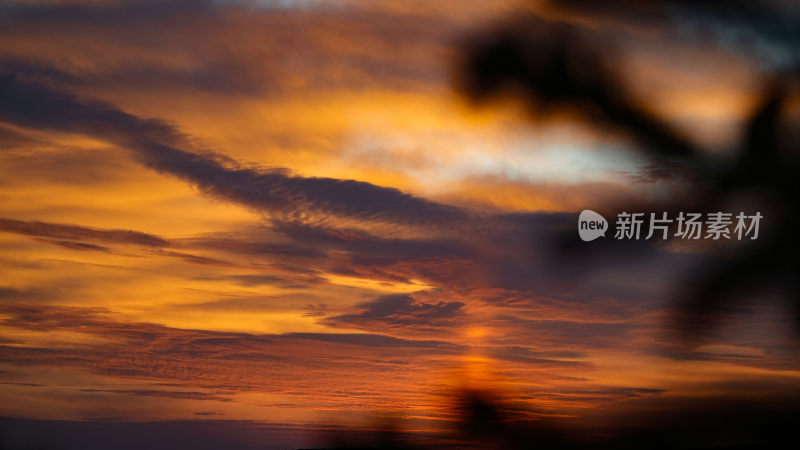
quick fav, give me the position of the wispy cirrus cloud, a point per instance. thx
(400, 310)
(160, 147)
(74, 232)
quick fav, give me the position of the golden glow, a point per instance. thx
(306, 317)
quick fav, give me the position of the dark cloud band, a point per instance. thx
(162, 147)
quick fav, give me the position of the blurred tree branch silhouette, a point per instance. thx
(554, 67)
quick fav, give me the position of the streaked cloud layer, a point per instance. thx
(282, 212)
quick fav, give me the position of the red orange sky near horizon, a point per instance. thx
(143, 287)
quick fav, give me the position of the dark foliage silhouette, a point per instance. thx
(559, 68)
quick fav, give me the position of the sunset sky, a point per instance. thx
(285, 213)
